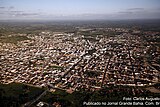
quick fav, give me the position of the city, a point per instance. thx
(89, 59)
(73, 61)
(79, 53)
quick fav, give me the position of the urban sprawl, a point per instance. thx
(72, 61)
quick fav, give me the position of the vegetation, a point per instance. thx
(13, 39)
(92, 73)
(56, 67)
(16, 94)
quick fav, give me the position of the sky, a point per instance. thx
(79, 9)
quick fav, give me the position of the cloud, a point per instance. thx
(19, 13)
(132, 11)
(11, 7)
(16, 11)
(135, 9)
(1, 13)
(27, 14)
(139, 13)
(23, 14)
(125, 12)
(2, 7)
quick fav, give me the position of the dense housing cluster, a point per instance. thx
(72, 61)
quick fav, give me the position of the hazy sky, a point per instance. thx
(79, 9)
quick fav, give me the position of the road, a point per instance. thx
(28, 104)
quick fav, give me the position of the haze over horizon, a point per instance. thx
(79, 9)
